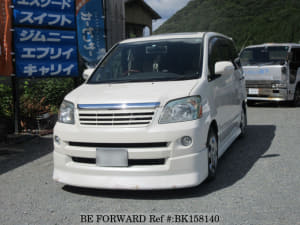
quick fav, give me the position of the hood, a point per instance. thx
(131, 92)
(273, 72)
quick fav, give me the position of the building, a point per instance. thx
(138, 15)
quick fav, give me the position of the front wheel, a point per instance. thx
(243, 123)
(212, 146)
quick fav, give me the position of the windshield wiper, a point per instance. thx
(146, 80)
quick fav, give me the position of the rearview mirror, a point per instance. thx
(224, 68)
(87, 73)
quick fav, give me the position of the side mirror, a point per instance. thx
(224, 68)
(87, 73)
(237, 61)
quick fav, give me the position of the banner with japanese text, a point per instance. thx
(41, 53)
(54, 13)
(45, 38)
(6, 64)
(90, 30)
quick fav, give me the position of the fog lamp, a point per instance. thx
(186, 141)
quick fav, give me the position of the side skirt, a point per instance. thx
(228, 141)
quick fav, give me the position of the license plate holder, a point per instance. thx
(117, 157)
(253, 91)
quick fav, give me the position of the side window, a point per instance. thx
(220, 49)
(234, 54)
(296, 57)
(294, 64)
(214, 54)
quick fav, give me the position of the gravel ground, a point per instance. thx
(258, 182)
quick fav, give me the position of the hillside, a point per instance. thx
(246, 21)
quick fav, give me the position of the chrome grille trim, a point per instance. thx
(120, 106)
(259, 83)
(131, 114)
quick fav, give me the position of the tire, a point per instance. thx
(243, 123)
(296, 101)
(212, 146)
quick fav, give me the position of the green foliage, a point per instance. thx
(246, 21)
(6, 101)
(43, 95)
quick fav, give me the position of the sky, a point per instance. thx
(165, 8)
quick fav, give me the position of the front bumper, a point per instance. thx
(183, 166)
(179, 172)
(267, 94)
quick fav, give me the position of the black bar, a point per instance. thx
(15, 90)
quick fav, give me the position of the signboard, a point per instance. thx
(46, 52)
(90, 30)
(54, 13)
(41, 53)
(6, 66)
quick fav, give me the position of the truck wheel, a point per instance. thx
(212, 146)
(296, 101)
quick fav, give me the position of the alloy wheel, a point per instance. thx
(212, 155)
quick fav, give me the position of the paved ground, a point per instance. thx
(258, 181)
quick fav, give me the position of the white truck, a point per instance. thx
(272, 72)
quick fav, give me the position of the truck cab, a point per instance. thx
(272, 72)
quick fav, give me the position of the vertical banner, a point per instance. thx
(90, 30)
(45, 38)
(45, 13)
(45, 52)
(6, 66)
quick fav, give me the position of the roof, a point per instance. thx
(172, 36)
(153, 13)
(273, 44)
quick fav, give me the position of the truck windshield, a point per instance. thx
(163, 60)
(274, 55)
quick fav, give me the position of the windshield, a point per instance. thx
(275, 55)
(163, 60)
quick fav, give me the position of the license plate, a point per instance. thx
(253, 91)
(111, 157)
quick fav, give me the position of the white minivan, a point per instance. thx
(156, 113)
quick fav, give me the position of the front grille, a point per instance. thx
(120, 145)
(261, 96)
(145, 162)
(84, 160)
(128, 117)
(259, 83)
(131, 162)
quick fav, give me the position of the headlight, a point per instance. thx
(66, 112)
(180, 110)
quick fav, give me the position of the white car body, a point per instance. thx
(168, 163)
